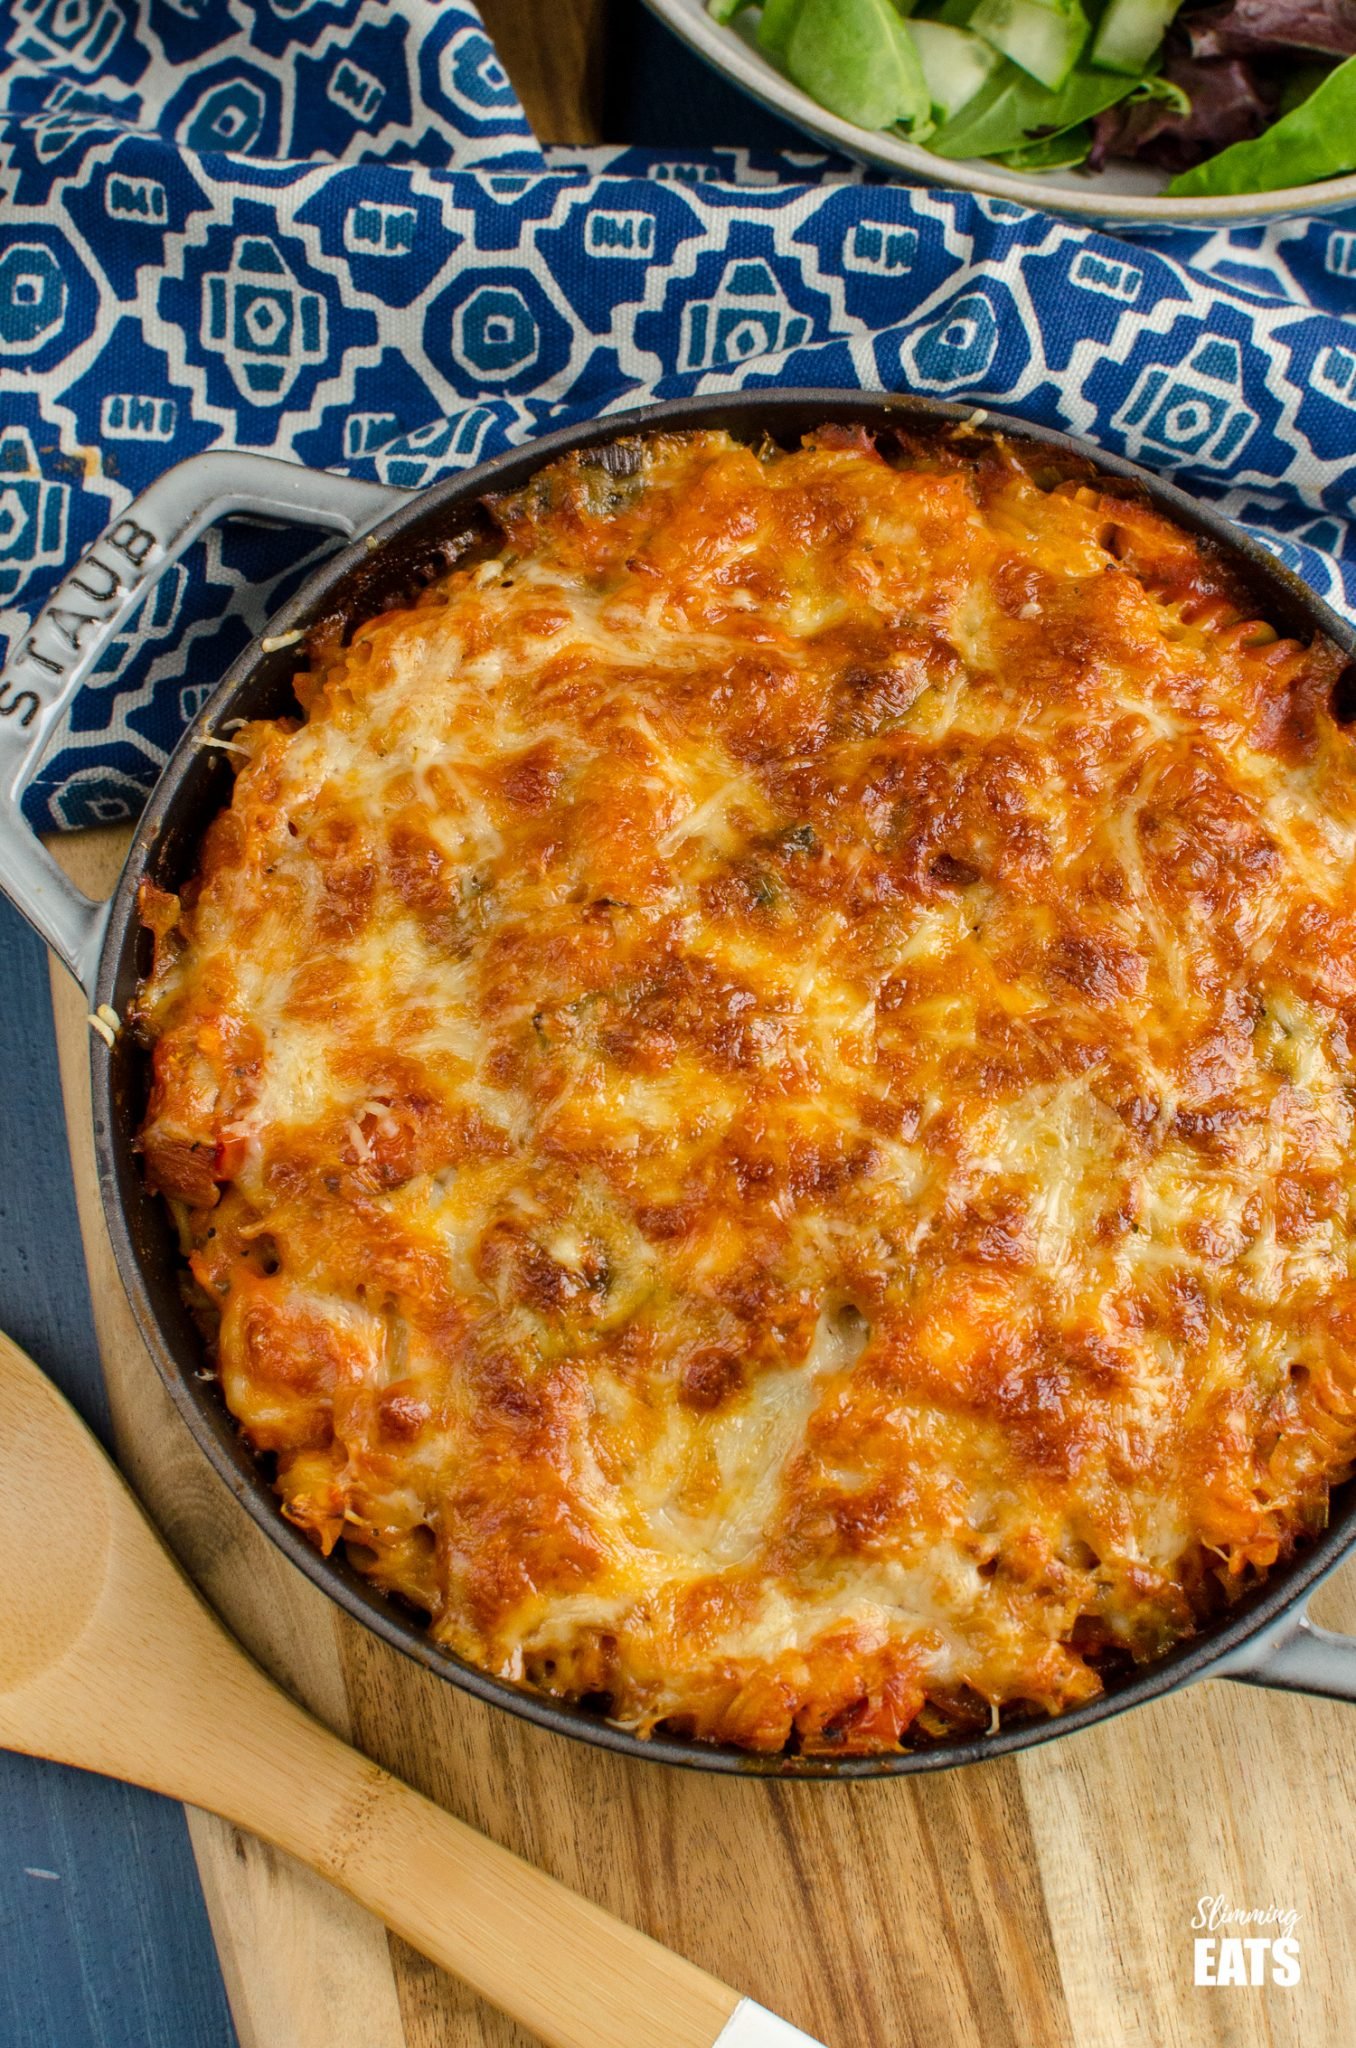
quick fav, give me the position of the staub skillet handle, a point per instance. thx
(1292, 1654)
(99, 594)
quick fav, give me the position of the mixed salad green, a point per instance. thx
(1229, 96)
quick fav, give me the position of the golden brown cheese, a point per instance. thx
(763, 1089)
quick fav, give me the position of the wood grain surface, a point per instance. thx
(552, 50)
(1035, 1902)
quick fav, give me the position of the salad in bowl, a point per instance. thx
(1196, 101)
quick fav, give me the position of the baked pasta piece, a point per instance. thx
(759, 1093)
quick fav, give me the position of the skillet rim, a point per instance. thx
(195, 1391)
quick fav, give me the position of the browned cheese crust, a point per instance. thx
(761, 1091)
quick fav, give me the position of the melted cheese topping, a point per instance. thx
(761, 1094)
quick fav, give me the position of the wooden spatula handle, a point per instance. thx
(567, 1970)
(563, 1967)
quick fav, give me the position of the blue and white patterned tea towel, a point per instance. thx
(323, 228)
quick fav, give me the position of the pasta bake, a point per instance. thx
(758, 1090)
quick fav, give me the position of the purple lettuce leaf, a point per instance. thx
(1245, 28)
(1230, 102)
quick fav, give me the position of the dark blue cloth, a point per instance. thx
(327, 231)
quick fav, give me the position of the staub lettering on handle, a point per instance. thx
(107, 577)
(70, 635)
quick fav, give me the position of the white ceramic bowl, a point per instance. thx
(1124, 192)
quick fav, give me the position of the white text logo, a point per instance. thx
(1223, 1956)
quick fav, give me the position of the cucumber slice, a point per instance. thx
(1130, 32)
(955, 64)
(1044, 41)
(856, 59)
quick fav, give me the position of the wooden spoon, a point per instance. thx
(109, 1659)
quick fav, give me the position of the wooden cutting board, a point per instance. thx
(1036, 1902)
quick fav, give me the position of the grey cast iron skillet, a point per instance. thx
(395, 537)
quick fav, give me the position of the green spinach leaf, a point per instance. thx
(1013, 112)
(774, 27)
(1317, 139)
(1055, 153)
(856, 59)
